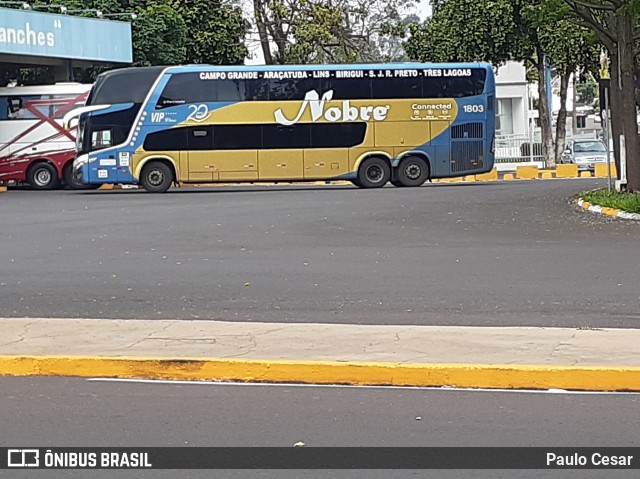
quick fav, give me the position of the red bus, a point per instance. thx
(34, 147)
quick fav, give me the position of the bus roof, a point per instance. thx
(259, 68)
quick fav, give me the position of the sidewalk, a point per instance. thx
(515, 357)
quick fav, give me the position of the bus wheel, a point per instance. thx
(412, 171)
(72, 182)
(374, 172)
(43, 176)
(156, 177)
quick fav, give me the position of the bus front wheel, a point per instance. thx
(43, 176)
(374, 172)
(412, 171)
(156, 177)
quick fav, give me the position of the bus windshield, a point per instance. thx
(123, 86)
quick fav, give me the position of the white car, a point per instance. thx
(585, 154)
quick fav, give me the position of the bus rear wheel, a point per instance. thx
(374, 172)
(412, 171)
(156, 177)
(43, 176)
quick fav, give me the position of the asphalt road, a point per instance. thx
(71, 412)
(508, 253)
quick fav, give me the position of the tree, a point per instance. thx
(328, 31)
(616, 23)
(587, 91)
(216, 30)
(159, 36)
(569, 47)
(501, 30)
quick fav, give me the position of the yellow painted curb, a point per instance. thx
(546, 175)
(330, 372)
(602, 171)
(3, 189)
(490, 176)
(470, 178)
(527, 172)
(585, 174)
(586, 204)
(566, 171)
(508, 177)
(610, 211)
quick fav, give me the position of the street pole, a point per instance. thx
(606, 137)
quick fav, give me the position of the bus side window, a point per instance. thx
(348, 88)
(186, 88)
(292, 89)
(229, 90)
(256, 90)
(100, 139)
(383, 88)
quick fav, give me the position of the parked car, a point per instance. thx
(585, 154)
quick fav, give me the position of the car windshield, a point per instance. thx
(589, 146)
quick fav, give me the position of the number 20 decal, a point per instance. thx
(473, 108)
(198, 113)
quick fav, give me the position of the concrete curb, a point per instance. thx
(603, 210)
(490, 376)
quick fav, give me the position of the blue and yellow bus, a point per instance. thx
(368, 124)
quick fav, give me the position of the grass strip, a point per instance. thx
(629, 202)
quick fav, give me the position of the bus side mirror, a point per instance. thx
(72, 124)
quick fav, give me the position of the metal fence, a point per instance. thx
(526, 148)
(518, 149)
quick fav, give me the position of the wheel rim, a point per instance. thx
(42, 177)
(413, 171)
(156, 177)
(375, 173)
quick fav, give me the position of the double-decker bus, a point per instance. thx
(369, 124)
(34, 147)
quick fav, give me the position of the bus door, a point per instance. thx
(201, 165)
(215, 154)
(281, 156)
(328, 156)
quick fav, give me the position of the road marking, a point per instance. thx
(351, 386)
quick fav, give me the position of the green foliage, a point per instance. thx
(215, 33)
(463, 30)
(501, 30)
(629, 202)
(159, 36)
(587, 92)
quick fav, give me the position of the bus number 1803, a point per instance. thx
(474, 108)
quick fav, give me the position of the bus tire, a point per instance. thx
(42, 176)
(71, 182)
(156, 177)
(412, 171)
(374, 172)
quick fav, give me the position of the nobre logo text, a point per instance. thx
(319, 109)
